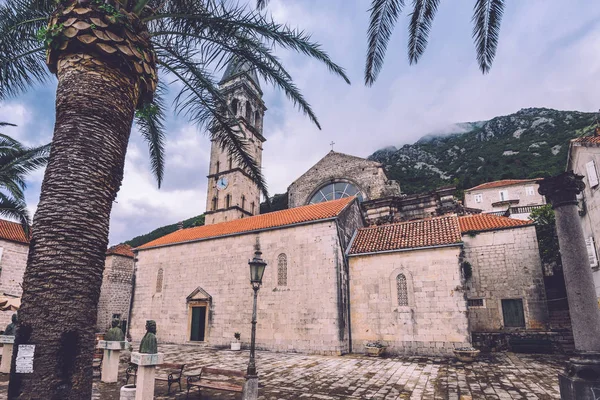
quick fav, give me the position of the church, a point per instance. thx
(351, 261)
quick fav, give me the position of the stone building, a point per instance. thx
(116, 287)
(509, 197)
(116, 284)
(584, 159)
(405, 287)
(335, 280)
(195, 282)
(232, 193)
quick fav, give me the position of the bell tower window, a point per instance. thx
(227, 201)
(252, 208)
(230, 162)
(217, 165)
(214, 203)
(243, 201)
(248, 112)
(257, 120)
(234, 106)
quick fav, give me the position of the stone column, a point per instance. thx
(582, 375)
(7, 350)
(110, 360)
(144, 384)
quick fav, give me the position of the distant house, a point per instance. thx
(514, 198)
(584, 159)
(116, 285)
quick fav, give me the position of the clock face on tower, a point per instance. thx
(222, 183)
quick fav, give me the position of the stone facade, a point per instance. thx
(116, 290)
(12, 267)
(305, 312)
(584, 159)
(367, 176)
(232, 193)
(494, 197)
(505, 265)
(435, 319)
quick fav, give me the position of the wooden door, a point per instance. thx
(198, 327)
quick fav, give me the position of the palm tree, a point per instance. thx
(112, 59)
(16, 161)
(487, 16)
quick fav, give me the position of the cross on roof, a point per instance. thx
(331, 144)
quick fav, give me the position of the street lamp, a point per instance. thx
(257, 269)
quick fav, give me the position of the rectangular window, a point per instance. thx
(512, 311)
(475, 303)
(591, 250)
(503, 195)
(478, 198)
(529, 191)
(592, 175)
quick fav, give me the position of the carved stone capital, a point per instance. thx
(561, 189)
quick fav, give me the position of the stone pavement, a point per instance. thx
(299, 376)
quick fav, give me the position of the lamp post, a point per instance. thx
(257, 269)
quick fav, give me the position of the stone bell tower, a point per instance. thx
(232, 194)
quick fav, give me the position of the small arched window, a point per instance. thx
(257, 119)
(214, 203)
(243, 201)
(230, 162)
(218, 165)
(227, 201)
(159, 280)
(248, 113)
(234, 106)
(252, 208)
(282, 270)
(402, 290)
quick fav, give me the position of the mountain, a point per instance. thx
(165, 230)
(530, 143)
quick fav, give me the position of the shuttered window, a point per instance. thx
(512, 311)
(591, 250)
(592, 175)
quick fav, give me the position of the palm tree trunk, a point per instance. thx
(95, 104)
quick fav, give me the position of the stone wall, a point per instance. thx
(301, 316)
(435, 320)
(505, 265)
(590, 203)
(12, 264)
(368, 176)
(116, 290)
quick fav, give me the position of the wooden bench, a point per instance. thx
(167, 372)
(212, 378)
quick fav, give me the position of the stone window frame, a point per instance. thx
(204, 301)
(331, 180)
(476, 298)
(160, 277)
(282, 282)
(394, 290)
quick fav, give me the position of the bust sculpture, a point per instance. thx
(115, 334)
(12, 327)
(148, 344)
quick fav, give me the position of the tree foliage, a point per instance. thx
(16, 162)
(545, 227)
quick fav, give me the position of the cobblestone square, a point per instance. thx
(299, 376)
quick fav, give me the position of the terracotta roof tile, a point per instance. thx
(121, 250)
(587, 139)
(485, 222)
(407, 235)
(313, 212)
(504, 182)
(12, 231)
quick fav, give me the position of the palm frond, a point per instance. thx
(260, 4)
(15, 209)
(420, 24)
(150, 121)
(384, 14)
(487, 16)
(22, 59)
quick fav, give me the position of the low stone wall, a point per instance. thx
(562, 340)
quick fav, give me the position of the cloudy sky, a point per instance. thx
(548, 57)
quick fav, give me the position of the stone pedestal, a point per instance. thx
(7, 349)
(110, 360)
(145, 373)
(250, 388)
(581, 379)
